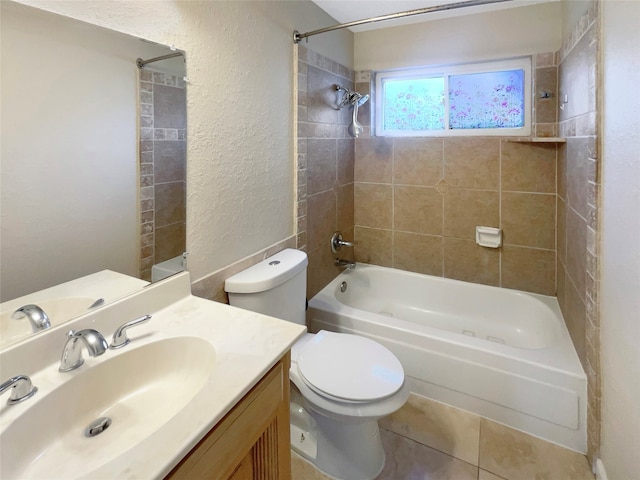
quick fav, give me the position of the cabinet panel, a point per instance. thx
(255, 432)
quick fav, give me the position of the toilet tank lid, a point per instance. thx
(269, 273)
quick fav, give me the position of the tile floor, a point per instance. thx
(427, 440)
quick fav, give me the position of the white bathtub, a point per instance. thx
(502, 354)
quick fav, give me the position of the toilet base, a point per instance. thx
(346, 449)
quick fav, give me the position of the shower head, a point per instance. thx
(351, 97)
(357, 98)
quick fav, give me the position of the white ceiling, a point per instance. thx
(345, 11)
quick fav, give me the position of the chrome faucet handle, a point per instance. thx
(120, 338)
(38, 319)
(72, 353)
(21, 389)
(337, 243)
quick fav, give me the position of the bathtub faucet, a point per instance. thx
(345, 263)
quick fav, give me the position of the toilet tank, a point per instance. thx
(277, 286)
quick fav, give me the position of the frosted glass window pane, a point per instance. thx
(416, 104)
(487, 100)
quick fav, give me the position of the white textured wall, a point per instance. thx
(240, 175)
(620, 268)
(69, 150)
(483, 36)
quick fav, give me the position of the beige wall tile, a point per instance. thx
(578, 173)
(170, 201)
(464, 260)
(417, 253)
(417, 209)
(321, 164)
(417, 161)
(561, 293)
(466, 209)
(345, 207)
(515, 455)
(169, 241)
(373, 205)
(346, 160)
(472, 162)
(528, 167)
(436, 425)
(169, 159)
(374, 160)
(561, 233)
(374, 246)
(574, 314)
(321, 219)
(529, 219)
(561, 176)
(406, 459)
(529, 269)
(321, 269)
(576, 256)
(546, 81)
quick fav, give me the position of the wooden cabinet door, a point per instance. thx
(252, 441)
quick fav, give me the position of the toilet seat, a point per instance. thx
(348, 368)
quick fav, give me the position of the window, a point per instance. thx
(492, 98)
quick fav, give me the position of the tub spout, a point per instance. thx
(345, 263)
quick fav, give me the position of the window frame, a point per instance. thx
(520, 63)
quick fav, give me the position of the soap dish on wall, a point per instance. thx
(489, 237)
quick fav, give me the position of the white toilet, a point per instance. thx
(342, 383)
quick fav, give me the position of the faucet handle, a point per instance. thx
(337, 243)
(21, 389)
(120, 338)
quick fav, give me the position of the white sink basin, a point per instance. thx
(58, 310)
(138, 389)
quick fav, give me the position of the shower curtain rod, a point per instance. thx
(141, 63)
(297, 36)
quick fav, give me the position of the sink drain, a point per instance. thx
(97, 427)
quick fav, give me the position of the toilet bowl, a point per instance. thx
(341, 383)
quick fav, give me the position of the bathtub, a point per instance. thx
(499, 353)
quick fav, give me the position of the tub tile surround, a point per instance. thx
(162, 168)
(577, 204)
(441, 189)
(427, 195)
(428, 439)
(325, 164)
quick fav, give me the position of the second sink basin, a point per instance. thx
(139, 390)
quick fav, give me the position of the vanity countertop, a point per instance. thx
(246, 346)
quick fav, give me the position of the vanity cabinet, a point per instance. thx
(252, 441)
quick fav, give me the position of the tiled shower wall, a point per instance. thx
(418, 200)
(578, 181)
(325, 164)
(163, 118)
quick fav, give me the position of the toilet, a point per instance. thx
(341, 383)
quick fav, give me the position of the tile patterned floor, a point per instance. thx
(427, 440)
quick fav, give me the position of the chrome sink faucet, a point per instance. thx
(38, 319)
(72, 353)
(21, 389)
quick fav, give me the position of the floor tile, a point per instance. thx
(515, 455)
(436, 425)
(301, 469)
(409, 460)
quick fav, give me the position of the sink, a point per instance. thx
(58, 310)
(139, 390)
